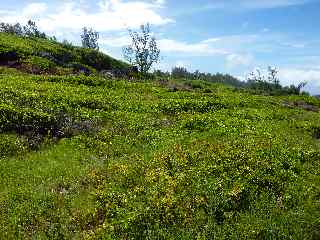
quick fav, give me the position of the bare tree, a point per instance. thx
(256, 77)
(143, 51)
(273, 76)
(90, 38)
(259, 77)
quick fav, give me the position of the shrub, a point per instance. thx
(98, 60)
(68, 45)
(35, 64)
(10, 145)
(143, 51)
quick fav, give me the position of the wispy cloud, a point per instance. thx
(236, 60)
(270, 3)
(191, 49)
(117, 41)
(296, 75)
(241, 5)
(234, 50)
(252, 4)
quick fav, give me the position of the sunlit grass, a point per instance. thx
(144, 162)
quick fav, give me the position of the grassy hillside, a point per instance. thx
(35, 55)
(83, 157)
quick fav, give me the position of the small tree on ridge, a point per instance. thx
(143, 51)
(90, 38)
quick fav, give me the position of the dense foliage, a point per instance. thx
(183, 73)
(256, 82)
(86, 158)
(270, 84)
(34, 55)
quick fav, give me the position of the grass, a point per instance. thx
(43, 56)
(155, 163)
(82, 157)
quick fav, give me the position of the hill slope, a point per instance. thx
(41, 56)
(86, 158)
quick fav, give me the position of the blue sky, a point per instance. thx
(234, 36)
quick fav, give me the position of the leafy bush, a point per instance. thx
(68, 45)
(98, 60)
(183, 73)
(143, 52)
(11, 144)
(271, 84)
(42, 64)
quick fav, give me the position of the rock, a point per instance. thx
(107, 74)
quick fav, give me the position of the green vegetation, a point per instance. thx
(84, 157)
(143, 52)
(44, 55)
(257, 82)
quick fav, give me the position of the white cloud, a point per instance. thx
(294, 76)
(234, 41)
(111, 15)
(160, 2)
(116, 42)
(170, 46)
(238, 60)
(34, 9)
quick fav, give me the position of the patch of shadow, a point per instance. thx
(60, 126)
(174, 87)
(9, 59)
(302, 105)
(316, 132)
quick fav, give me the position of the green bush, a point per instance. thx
(98, 60)
(123, 159)
(42, 64)
(11, 144)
